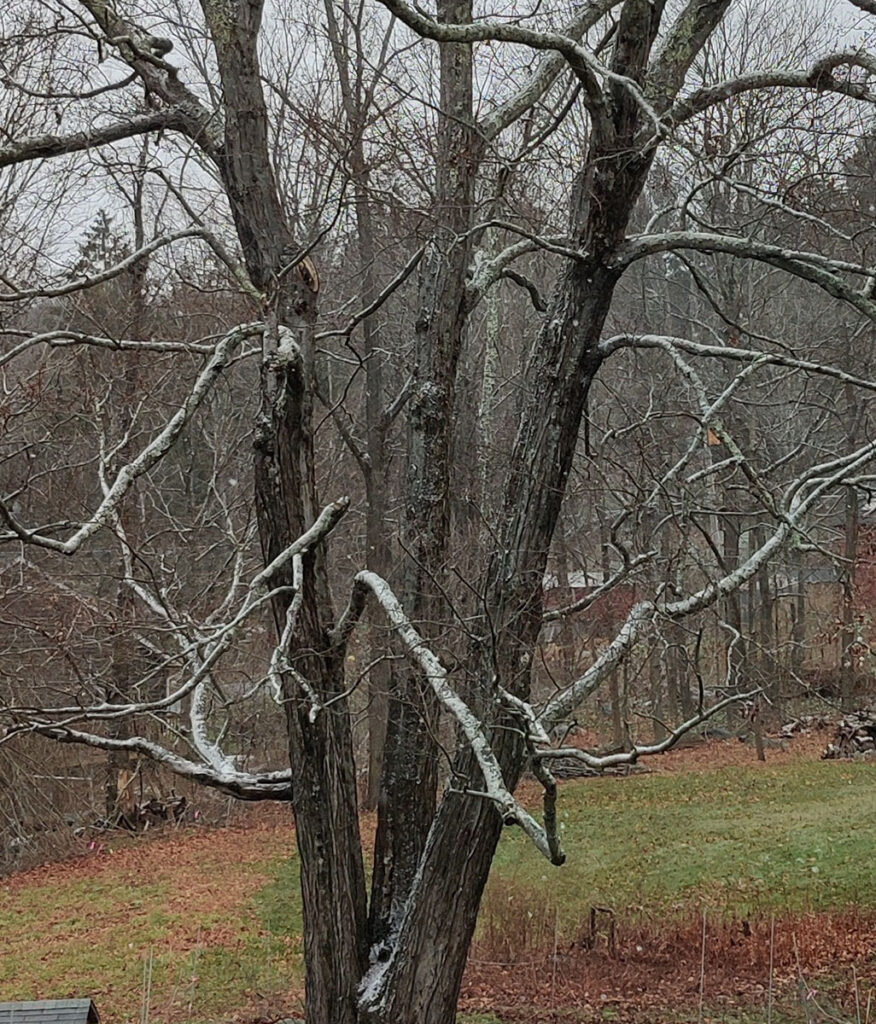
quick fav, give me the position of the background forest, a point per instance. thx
(386, 393)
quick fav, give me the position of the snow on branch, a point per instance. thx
(818, 78)
(243, 786)
(799, 498)
(583, 63)
(733, 354)
(598, 763)
(436, 676)
(810, 266)
(41, 147)
(149, 457)
(200, 649)
(204, 645)
(69, 339)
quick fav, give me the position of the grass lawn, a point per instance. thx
(186, 919)
(798, 837)
(218, 912)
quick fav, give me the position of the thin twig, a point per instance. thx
(702, 970)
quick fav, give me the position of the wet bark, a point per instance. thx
(406, 804)
(378, 555)
(421, 981)
(320, 743)
(428, 881)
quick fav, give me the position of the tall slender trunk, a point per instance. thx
(854, 411)
(731, 610)
(616, 697)
(320, 741)
(121, 764)
(410, 777)
(343, 39)
(848, 633)
(798, 622)
(378, 550)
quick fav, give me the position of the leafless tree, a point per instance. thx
(620, 83)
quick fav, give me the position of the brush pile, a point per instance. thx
(804, 725)
(855, 737)
(572, 768)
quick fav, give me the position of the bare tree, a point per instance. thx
(470, 639)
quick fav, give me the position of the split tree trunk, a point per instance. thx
(420, 982)
(406, 807)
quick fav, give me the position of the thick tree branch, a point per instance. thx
(799, 499)
(149, 457)
(43, 147)
(137, 48)
(809, 266)
(733, 354)
(692, 28)
(601, 762)
(818, 78)
(583, 63)
(241, 785)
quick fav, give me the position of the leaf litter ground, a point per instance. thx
(203, 924)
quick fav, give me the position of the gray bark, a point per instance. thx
(407, 801)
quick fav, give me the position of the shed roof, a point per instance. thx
(50, 1011)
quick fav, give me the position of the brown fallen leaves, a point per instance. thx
(656, 971)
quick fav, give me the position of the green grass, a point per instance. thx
(103, 934)
(738, 840)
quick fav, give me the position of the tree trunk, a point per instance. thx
(375, 465)
(320, 741)
(121, 766)
(410, 778)
(847, 641)
(378, 551)
(798, 625)
(732, 607)
(420, 983)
